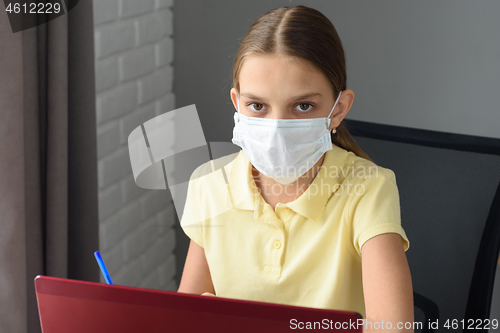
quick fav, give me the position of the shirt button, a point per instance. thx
(277, 244)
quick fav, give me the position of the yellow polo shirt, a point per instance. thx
(308, 251)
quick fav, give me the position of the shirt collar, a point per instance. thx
(311, 203)
(240, 181)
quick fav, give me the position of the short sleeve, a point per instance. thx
(375, 208)
(206, 198)
(193, 229)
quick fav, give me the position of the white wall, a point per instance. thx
(134, 79)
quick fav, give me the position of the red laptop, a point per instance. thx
(87, 307)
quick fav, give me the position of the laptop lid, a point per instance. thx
(75, 306)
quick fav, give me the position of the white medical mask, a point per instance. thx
(283, 149)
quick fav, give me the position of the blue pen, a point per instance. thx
(104, 270)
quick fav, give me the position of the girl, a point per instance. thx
(312, 221)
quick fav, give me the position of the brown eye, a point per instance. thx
(256, 107)
(303, 107)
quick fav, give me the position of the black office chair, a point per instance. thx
(449, 187)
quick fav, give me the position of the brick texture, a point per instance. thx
(134, 77)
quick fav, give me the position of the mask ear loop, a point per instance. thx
(238, 103)
(333, 131)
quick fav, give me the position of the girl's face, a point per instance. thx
(278, 87)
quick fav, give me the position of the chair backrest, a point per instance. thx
(449, 187)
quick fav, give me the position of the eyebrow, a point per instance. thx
(300, 97)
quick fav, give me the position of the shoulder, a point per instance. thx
(213, 165)
(206, 191)
(361, 170)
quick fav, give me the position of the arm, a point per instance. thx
(387, 282)
(196, 275)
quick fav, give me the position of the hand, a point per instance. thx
(208, 294)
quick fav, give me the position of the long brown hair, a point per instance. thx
(305, 33)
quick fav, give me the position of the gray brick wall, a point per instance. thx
(134, 77)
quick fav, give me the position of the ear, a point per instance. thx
(343, 106)
(234, 97)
